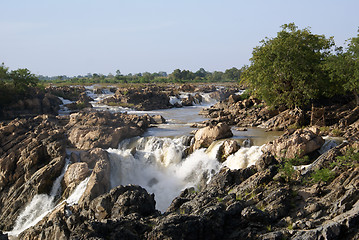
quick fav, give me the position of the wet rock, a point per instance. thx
(99, 182)
(300, 143)
(157, 119)
(205, 136)
(75, 173)
(92, 156)
(32, 157)
(227, 148)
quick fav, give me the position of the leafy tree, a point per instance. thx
(288, 69)
(343, 68)
(232, 74)
(23, 79)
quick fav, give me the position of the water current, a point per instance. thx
(156, 160)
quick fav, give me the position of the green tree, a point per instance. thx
(232, 74)
(23, 79)
(287, 70)
(343, 68)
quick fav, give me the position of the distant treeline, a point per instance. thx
(177, 76)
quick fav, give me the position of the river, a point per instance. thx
(156, 160)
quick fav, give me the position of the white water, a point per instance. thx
(158, 166)
(42, 204)
(243, 158)
(154, 162)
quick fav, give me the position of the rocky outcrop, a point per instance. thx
(115, 215)
(32, 155)
(87, 130)
(285, 119)
(82, 102)
(148, 98)
(67, 92)
(250, 203)
(205, 136)
(34, 103)
(296, 144)
(75, 173)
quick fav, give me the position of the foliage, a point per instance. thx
(15, 84)
(324, 174)
(349, 159)
(343, 68)
(287, 70)
(287, 171)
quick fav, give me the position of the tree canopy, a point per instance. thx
(343, 68)
(287, 70)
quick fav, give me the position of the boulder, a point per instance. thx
(99, 182)
(227, 148)
(92, 156)
(297, 144)
(75, 173)
(122, 201)
(205, 136)
(157, 119)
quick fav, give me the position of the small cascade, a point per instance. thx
(157, 164)
(243, 158)
(329, 143)
(63, 109)
(40, 205)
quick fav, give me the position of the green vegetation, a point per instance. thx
(177, 76)
(348, 160)
(14, 85)
(324, 175)
(287, 171)
(297, 67)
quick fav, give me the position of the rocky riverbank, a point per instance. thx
(265, 201)
(295, 190)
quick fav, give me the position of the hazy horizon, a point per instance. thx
(79, 37)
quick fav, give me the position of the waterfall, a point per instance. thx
(158, 165)
(42, 204)
(243, 158)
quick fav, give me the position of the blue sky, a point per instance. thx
(76, 37)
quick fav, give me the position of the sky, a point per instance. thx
(76, 37)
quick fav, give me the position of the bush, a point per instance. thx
(324, 175)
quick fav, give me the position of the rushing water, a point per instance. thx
(155, 161)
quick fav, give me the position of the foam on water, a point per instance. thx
(157, 164)
(42, 204)
(243, 158)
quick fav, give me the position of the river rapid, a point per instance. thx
(156, 160)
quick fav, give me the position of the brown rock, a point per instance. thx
(300, 143)
(99, 182)
(205, 136)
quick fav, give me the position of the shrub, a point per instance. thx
(325, 175)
